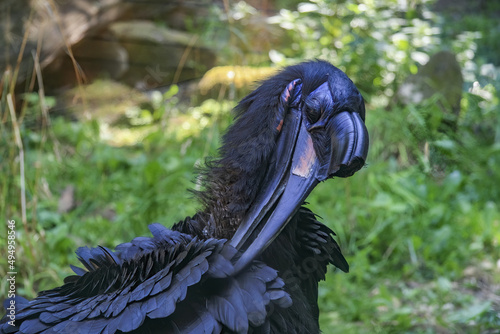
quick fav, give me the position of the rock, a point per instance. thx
(159, 56)
(237, 76)
(97, 58)
(105, 100)
(76, 43)
(56, 27)
(441, 75)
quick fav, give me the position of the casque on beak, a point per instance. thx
(306, 154)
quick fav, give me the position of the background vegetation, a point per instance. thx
(420, 226)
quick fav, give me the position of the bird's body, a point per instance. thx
(300, 254)
(251, 259)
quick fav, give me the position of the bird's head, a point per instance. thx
(314, 115)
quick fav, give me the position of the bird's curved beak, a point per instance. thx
(296, 169)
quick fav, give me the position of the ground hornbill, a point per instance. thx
(251, 259)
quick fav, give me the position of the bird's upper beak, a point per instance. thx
(305, 155)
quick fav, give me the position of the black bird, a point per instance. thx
(251, 259)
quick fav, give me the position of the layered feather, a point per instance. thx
(145, 282)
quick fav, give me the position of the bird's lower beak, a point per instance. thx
(293, 176)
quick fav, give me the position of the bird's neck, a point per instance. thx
(232, 182)
(230, 188)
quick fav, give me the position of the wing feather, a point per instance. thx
(171, 280)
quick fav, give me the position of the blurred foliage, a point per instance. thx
(420, 225)
(233, 76)
(376, 40)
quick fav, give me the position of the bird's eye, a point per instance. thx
(313, 114)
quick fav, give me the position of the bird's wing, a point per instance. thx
(170, 281)
(318, 249)
(317, 240)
